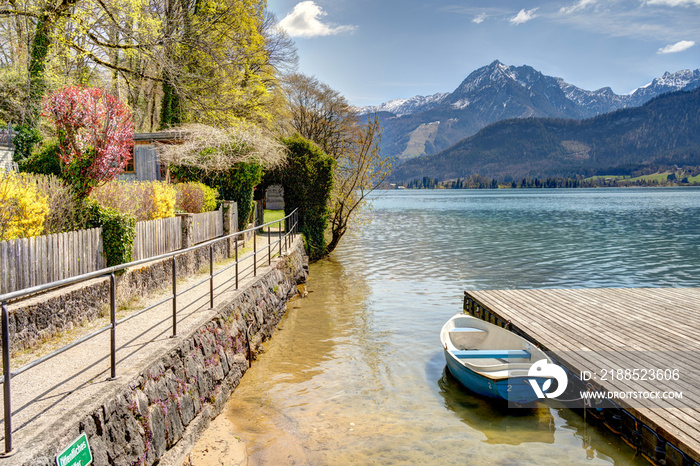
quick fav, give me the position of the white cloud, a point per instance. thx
(673, 2)
(304, 21)
(479, 19)
(523, 16)
(580, 5)
(677, 47)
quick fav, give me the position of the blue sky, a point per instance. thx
(376, 50)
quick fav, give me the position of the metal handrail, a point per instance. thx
(110, 272)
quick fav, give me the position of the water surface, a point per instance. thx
(355, 375)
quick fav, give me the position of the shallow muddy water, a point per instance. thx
(356, 375)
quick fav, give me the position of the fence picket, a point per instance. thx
(3, 267)
(54, 256)
(24, 245)
(31, 247)
(14, 256)
(44, 259)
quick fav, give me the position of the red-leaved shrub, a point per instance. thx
(95, 133)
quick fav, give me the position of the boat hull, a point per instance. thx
(512, 389)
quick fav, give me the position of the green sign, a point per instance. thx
(77, 454)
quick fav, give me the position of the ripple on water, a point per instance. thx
(356, 374)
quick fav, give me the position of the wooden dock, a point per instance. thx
(618, 328)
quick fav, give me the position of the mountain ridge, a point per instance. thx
(497, 92)
(665, 130)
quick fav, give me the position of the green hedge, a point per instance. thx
(308, 183)
(235, 184)
(26, 137)
(45, 160)
(118, 232)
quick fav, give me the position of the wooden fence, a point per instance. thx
(156, 237)
(34, 261)
(207, 226)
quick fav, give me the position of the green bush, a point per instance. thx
(118, 232)
(308, 183)
(26, 137)
(44, 161)
(235, 184)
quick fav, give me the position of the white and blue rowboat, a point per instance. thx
(489, 360)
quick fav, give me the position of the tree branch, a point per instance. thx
(112, 66)
(6, 12)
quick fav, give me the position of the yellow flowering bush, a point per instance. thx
(143, 200)
(22, 207)
(163, 200)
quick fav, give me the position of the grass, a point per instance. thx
(660, 178)
(605, 177)
(272, 215)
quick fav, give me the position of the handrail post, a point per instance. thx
(269, 248)
(174, 297)
(236, 261)
(279, 235)
(211, 276)
(7, 377)
(255, 254)
(113, 330)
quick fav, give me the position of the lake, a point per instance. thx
(355, 374)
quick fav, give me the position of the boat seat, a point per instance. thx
(466, 330)
(491, 354)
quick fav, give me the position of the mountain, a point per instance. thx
(427, 124)
(399, 107)
(665, 131)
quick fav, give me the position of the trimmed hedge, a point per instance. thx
(308, 183)
(118, 232)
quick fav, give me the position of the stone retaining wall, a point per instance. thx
(157, 416)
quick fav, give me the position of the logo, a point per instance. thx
(543, 369)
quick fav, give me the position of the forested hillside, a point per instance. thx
(664, 131)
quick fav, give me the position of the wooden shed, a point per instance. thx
(145, 165)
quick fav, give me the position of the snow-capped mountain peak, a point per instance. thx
(496, 92)
(408, 106)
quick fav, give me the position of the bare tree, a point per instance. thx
(216, 150)
(324, 116)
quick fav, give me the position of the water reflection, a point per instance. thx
(499, 424)
(596, 441)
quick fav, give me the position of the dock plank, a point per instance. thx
(652, 322)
